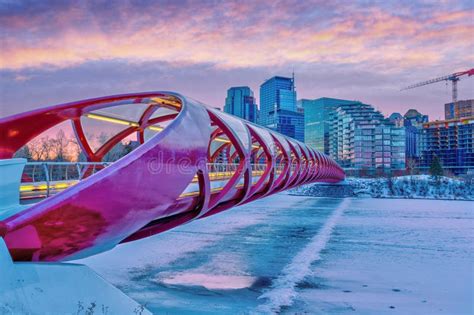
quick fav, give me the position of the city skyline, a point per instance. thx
(54, 53)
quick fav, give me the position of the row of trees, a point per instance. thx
(62, 148)
(58, 148)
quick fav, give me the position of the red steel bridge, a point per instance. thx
(192, 161)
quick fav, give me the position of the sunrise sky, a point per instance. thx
(55, 51)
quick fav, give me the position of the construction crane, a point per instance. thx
(454, 78)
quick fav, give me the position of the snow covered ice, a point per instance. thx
(304, 255)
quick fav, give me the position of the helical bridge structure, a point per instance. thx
(191, 161)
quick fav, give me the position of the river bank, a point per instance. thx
(403, 187)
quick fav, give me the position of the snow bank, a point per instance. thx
(415, 186)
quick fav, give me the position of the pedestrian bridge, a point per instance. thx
(190, 161)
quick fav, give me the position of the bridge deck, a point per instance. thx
(44, 189)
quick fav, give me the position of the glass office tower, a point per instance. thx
(278, 109)
(240, 102)
(276, 93)
(289, 123)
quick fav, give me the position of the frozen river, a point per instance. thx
(302, 255)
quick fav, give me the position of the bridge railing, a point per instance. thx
(218, 171)
(42, 179)
(51, 177)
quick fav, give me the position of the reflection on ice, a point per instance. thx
(209, 281)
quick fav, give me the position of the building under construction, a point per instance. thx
(452, 142)
(459, 109)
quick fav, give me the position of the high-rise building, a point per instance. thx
(289, 123)
(317, 121)
(413, 122)
(459, 109)
(276, 93)
(452, 141)
(361, 138)
(299, 107)
(241, 102)
(278, 109)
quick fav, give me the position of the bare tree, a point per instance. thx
(411, 165)
(74, 150)
(390, 182)
(39, 148)
(59, 146)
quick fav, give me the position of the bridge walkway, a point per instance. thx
(43, 179)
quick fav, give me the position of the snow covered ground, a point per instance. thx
(410, 187)
(303, 255)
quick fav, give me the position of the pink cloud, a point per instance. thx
(235, 35)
